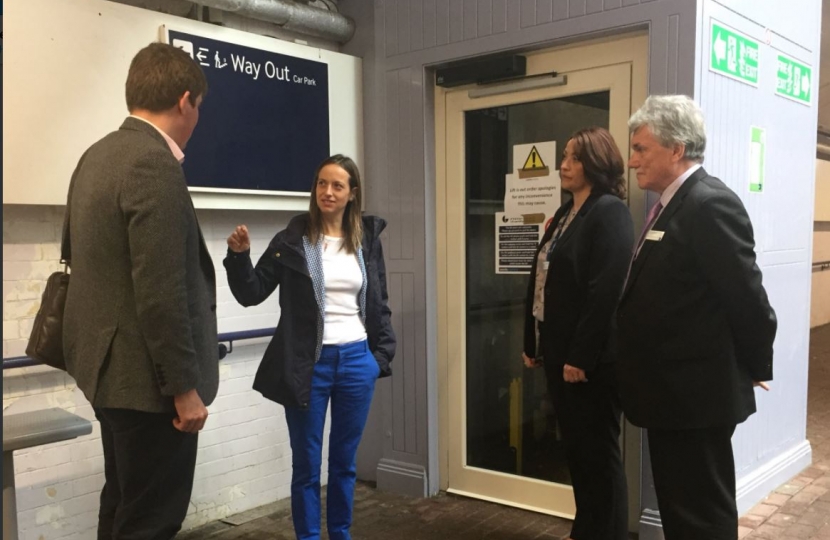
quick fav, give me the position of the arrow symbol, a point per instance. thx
(720, 48)
(202, 56)
(805, 84)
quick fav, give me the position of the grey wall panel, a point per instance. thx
(390, 170)
(398, 409)
(404, 134)
(655, 14)
(672, 54)
(456, 21)
(418, 34)
(560, 10)
(544, 11)
(430, 27)
(499, 12)
(612, 4)
(411, 402)
(405, 419)
(391, 30)
(629, 3)
(672, 51)
(442, 16)
(528, 13)
(411, 168)
(405, 28)
(484, 17)
(577, 8)
(470, 19)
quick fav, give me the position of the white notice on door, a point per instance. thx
(531, 195)
(516, 240)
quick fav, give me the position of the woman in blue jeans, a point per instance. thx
(334, 336)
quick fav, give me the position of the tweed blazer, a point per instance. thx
(140, 319)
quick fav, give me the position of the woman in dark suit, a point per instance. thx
(575, 284)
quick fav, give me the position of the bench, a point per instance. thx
(26, 430)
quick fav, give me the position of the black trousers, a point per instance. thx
(148, 473)
(694, 477)
(589, 420)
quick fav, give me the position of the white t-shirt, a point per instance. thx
(343, 280)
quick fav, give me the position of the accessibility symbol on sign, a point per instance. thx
(534, 166)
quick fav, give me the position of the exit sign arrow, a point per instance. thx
(720, 48)
(733, 54)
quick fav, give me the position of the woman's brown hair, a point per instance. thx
(352, 218)
(601, 160)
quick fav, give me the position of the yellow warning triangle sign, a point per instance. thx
(534, 161)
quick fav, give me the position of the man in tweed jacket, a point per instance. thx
(140, 323)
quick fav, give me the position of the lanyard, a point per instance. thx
(560, 228)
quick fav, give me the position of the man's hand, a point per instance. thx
(239, 241)
(191, 412)
(762, 384)
(573, 374)
(530, 362)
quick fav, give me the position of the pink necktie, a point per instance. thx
(650, 219)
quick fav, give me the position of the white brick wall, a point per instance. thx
(244, 458)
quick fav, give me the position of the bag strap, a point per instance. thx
(66, 249)
(66, 246)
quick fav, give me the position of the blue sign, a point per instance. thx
(264, 124)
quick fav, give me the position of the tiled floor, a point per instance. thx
(798, 509)
(381, 515)
(801, 507)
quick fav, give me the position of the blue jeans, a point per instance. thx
(346, 374)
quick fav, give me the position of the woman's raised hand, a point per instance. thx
(239, 241)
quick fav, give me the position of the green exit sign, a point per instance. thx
(734, 55)
(794, 80)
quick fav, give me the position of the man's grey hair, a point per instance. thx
(673, 120)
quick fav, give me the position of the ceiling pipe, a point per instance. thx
(299, 18)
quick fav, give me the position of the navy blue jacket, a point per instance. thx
(285, 373)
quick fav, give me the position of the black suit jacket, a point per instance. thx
(583, 283)
(695, 327)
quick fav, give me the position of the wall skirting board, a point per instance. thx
(400, 477)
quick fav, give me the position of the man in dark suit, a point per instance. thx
(140, 325)
(695, 328)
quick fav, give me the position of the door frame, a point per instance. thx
(630, 50)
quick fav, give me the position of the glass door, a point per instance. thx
(502, 155)
(511, 424)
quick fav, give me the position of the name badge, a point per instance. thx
(655, 235)
(545, 265)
